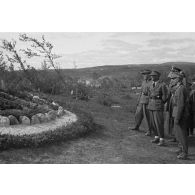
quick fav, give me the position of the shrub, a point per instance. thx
(126, 97)
(82, 92)
(106, 99)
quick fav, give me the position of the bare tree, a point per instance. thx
(15, 58)
(2, 62)
(42, 48)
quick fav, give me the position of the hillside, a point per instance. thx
(129, 70)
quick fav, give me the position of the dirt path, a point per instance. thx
(110, 143)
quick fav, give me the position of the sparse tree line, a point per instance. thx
(17, 74)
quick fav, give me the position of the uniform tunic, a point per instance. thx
(157, 98)
(169, 109)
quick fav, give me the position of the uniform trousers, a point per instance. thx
(181, 135)
(157, 122)
(140, 114)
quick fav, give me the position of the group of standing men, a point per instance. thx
(176, 99)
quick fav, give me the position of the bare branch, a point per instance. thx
(43, 48)
(15, 57)
(29, 53)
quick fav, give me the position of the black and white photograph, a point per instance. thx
(97, 97)
(87, 97)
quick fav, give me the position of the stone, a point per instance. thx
(44, 107)
(55, 104)
(4, 121)
(42, 117)
(35, 120)
(13, 120)
(32, 105)
(48, 117)
(52, 114)
(60, 111)
(36, 99)
(24, 120)
(25, 109)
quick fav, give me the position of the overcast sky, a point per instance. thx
(94, 49)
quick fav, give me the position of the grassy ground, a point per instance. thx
(110, 142)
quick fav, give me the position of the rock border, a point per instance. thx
(81, 124)
(21, 130)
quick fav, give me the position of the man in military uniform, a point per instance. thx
(173, 85)
(180, 115)
(191, 110)
(169, 105)
(141, 110)
(157, 99)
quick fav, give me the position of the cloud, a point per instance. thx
(187, 51)
(130, 34)
(162, 42)
(119, 44)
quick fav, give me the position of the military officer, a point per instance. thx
(191, 110)
(141, 110)
(180, 115)
(173, 73)
(169, 107)
(157, 99)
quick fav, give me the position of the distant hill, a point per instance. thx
(128, 70)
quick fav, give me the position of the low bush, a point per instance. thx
(126, 97)
(82, 92)
(106, 99)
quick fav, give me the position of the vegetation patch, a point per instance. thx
(106, 99)
(127, 97)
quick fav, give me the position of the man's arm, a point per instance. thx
(168, 99)
(138, 100)
(164, 93)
